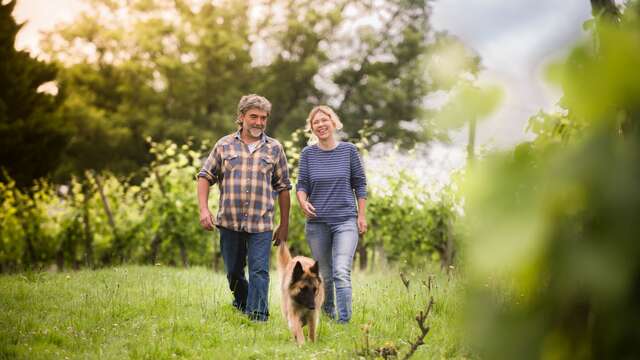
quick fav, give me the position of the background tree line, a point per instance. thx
(165, 69)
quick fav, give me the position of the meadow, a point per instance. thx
(160, 312)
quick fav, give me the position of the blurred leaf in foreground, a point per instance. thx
(552, 254)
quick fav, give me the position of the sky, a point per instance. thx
(514, 38)
(41, 15)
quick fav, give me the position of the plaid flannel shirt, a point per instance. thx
(248, 182)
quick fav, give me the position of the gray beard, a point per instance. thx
(255, 132)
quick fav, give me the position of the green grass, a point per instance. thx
(164, 313)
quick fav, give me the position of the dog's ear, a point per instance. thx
(297, 272)
(314, 269)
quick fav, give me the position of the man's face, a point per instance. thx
(254, 121)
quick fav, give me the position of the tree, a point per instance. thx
(468, 103)
(371, 71)
(383, 82)
(33, 137)
(161, 69)
(455, 68)
(176, 69)
(298, 42)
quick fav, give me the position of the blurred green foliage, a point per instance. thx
(468, 101)
(552, 247)
(456, 68)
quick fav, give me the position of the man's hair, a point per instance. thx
(327, 111)
(252, 101)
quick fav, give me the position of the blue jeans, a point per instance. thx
(237, 247)
(333, 246)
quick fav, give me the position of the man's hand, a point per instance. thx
(362, 225)
(206, 221)
(308, 209)
(280, 234)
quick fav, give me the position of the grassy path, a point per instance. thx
(164, 313)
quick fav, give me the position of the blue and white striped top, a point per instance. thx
(330, 178)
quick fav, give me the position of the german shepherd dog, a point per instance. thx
(302, 292)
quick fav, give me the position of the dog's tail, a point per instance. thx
(284, 256)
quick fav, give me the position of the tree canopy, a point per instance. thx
(176, 69)
(33, 137)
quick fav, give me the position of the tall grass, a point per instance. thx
(163, 313)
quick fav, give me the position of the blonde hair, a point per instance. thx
(327, 111)
(252, 101)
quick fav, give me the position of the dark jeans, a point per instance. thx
(237, 249)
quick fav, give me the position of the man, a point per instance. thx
(249, 168)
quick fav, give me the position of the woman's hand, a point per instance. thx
(362, 225)
(308, 209)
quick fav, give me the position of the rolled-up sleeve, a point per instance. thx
(358, 178)
(280, 180)
(211, 168)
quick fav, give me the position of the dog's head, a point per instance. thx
(305, 285)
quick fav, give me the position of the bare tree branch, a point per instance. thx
(424, 329)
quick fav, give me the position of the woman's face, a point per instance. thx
(322, 126)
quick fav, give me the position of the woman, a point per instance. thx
(331, 178)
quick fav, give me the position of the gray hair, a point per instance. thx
(252, 101)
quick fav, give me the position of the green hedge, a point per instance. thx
(156, 221)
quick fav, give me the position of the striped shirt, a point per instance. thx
(330, 178)
(248, 181)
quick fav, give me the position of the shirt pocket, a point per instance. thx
(231, 162)
(266, 164)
